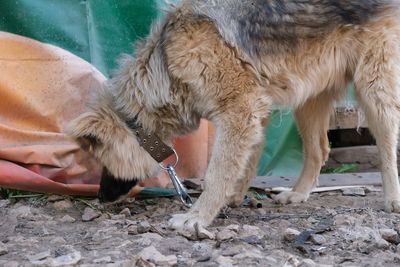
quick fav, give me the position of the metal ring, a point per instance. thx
(173, 165)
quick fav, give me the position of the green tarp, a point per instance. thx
(99, 31)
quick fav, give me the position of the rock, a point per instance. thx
(250, 253)
(250, 230)
(39, 256)
(6, 263)
(89, 214)
(307, 263)
(54, 198)
(3, 249)
(290, 234)
(153, 255)
(233, 227)
(390, 235)
(224, 261)
(140, 262)
(143, 227)
(355, 191)
(133, 230)
(344, 220)
(225, 235)
(63, 205)
(231, 251)
(4, 203)
(22, 212)
(318, 239)
(126, 212)
(188, 235)
(67, 219)
(66, 260)
(381, 243)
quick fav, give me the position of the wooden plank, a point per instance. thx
(372, 178)
(346, 118)
(343, 179)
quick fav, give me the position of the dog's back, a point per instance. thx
(258, 27)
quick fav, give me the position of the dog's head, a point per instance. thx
(107, 137)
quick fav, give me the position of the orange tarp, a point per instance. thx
(42, 87)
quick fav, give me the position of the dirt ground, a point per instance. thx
(331, 229)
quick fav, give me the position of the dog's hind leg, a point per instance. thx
(378, 91)
(313, 121)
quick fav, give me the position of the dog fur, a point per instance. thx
(229, 61)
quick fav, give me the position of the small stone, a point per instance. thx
(290, 234)
(153, 255)
(225, 235)
(382, 243)
(22, 211)
(140, 262)
(63, 205)
(89, 214)
(126, 212)
(39, 256)
(54, 198)
(390, 235)
(233, 227)
(232, 251)
(133, 230)
(344, 220)
(188, 234)
(249, 230)
(318, 239)
(354, 191)
(224, 260)
(250, 253)
(203, 258)
(307, 263)
(4, 203)
(3, 249)
(143, 227)
(67, 219)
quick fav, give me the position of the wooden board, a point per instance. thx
(263, 182)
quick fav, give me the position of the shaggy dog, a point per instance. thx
(229, 61)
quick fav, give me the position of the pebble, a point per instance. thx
(67, 219)
(290, 234)
(153, 255)
(21, 211)
(133, 230)
(307, 263)
(3, 249)
(143, 227)
(390, 235)
(39, 256)
(126, 212)
(250, 230)
(89, 214)
(4, 203)
(233, 227)
(250, 253)
(355, 191)
(225, 235)
(318, 239)
(224, 260)
(63, 205)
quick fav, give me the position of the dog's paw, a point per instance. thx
(190, 222)
(392, 205)
(290, 197)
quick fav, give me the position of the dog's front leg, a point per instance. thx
(236, 135)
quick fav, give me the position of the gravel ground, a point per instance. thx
(331, 229)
